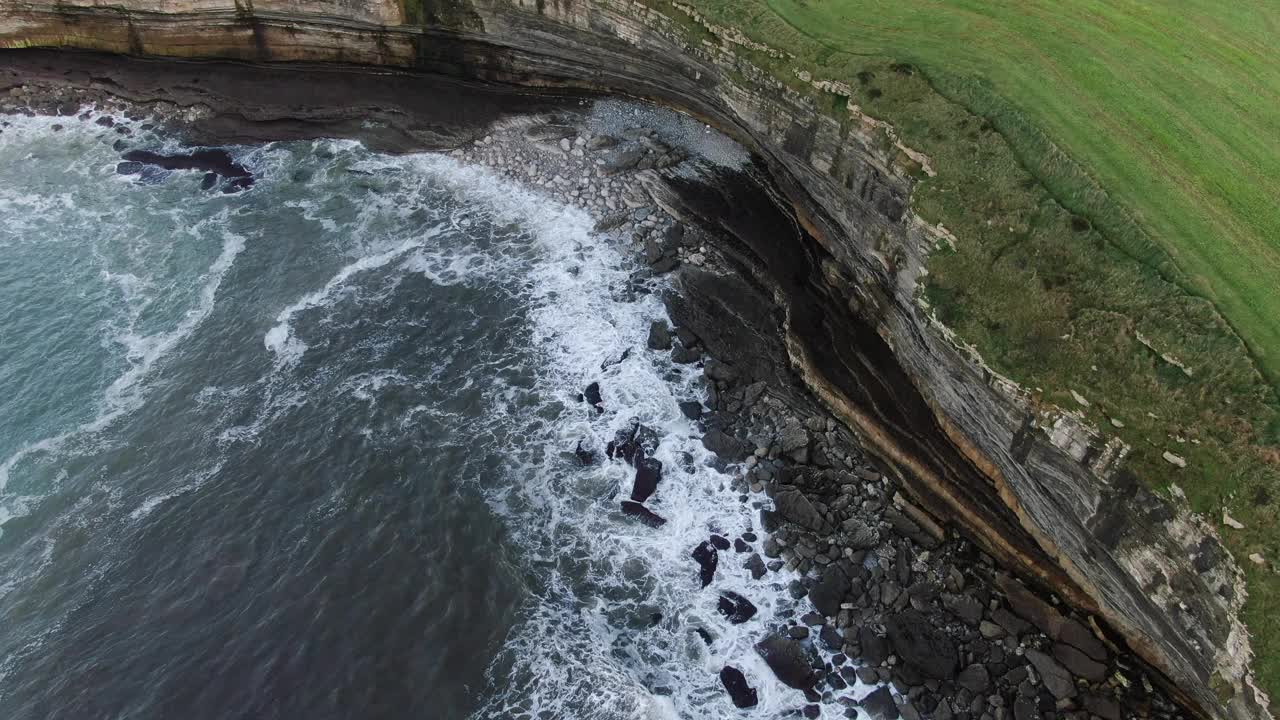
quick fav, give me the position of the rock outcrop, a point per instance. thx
(1037, 491)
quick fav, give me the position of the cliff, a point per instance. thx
(1035, 487)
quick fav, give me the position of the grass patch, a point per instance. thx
(1111, 170)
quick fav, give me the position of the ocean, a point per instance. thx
(307, 449)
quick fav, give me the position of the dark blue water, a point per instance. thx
(305, 450)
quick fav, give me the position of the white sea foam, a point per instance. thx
(280, 338)
(142, 351)
(585, 647)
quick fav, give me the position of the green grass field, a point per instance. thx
(1111, 170)
(1174, 107)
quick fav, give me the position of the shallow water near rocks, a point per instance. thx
(306, 450)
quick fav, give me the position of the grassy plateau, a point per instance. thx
(1111, 169)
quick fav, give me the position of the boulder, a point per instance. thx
(585, 455)
(707, 558)
(795, 507)
(827, 594)
(735, 683)
(610, 222)
(793, 437)
(975, 678)
(633, 443)
(1080, 637)
(1056, 678)
(648, 475)
(964, 607)
(592, 396)
(735, 607)
(918, 643)
(875, 649)
(647, 516)
(659, 336)
(692, 409)
(879, 704)
(831, 638)
(1079, 664)
(726, 447)
(858, 535)
(788, 661)
(622, 159)
(1103, 707)
(756, 565)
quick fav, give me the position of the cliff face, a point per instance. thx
(1035, 488)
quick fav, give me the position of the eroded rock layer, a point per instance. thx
(1036, 490)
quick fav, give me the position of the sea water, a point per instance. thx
(306, 450)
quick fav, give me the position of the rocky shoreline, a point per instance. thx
(897, 601)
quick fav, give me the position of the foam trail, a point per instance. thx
(280, 339)
(125, 393)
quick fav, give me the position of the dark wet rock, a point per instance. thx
(721, 372)
(720, 542)
(917, 642)
(665, 265)
(831, 638)
(794, 506)
(209, 180)
(875, 648)
(735, 607)
(735, 683)
(702, 633)
(812, 712)
(975, 678)
(633, 443)
(585, 455)
(964, 607)
(1056, 678)
(827, 594)
(707, 558)
(1079, 664)
(756, 565)
(788, 661)
(1025, 709)
(1078, 636)
(1103, 707)
(210, 160)
(592, 395)
(1011, 623)
(647, 516)
(684, 354)
(740, 545)
(659, 336)
(858, 534)
(602, 142)
(129, 167)
(611, 221)
(692, 409)
(902, 565)
(622, 159)
(105, 121)
(879, 704)
(798, 632)
(727, 447)
(648, 475)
